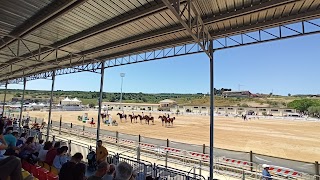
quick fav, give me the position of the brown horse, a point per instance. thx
(147, 118)
(121, 116)
(163, 119)
(133, 117)
(141, 118)
(170, 120)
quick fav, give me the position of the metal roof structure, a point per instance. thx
(45, 38)
(40, 37)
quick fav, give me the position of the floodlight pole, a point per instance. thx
(50, 105)
(122, 75)
(211, 109)
(100, 99)
(22, 102)
(4, 98)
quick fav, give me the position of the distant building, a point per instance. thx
(167, 103)
(237, 94)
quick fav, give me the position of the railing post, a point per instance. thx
(168, 143)
(71, 125)
(316, 166)
(83, 129)
(60, 124)
(139, 138)
(35, 120)
(243, 175)
(69, 147)
(166, 160)
(138, 153)
(53, 138)
(251, 161)
(200, 168)
(203, 148)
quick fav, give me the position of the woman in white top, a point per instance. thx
(61, 157)
(43, 151)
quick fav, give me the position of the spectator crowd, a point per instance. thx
(17, 145)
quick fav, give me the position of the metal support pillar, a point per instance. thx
(211, 108)
(100, 100)
(50, 105)
(4, 98)
(22, 101)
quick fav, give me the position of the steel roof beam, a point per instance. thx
(48, 13)
(156, 33)
(267, 24)
(152, 7)
(193, 24)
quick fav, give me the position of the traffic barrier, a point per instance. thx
(286, 172)
(235, 162)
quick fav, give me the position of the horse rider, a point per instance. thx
(142, 114)
(132, 113)
(150, 114)
(168, 116)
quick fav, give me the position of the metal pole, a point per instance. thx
(22, 101)
(100, 99)
(122, 75)
(211, 108)
(50, 105)
(4, 98)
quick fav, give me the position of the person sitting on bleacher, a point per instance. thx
(110, 173)
(103, 168)
(69, 170)
(11, 139)
(10, 166)
(124, 171)
(51, 154)
(28, 149)
(60, 158)
(43, 151)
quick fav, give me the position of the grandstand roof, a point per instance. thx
(40, 36)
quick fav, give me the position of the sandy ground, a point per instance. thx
(297, 140)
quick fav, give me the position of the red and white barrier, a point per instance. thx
(127, 141)
(169, 149)
(284, 171)
(199, 155)
(236, 162)
(148, 146)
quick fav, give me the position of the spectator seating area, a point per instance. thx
(42, 171)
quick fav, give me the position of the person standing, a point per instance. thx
(102, 152)
(103, 168)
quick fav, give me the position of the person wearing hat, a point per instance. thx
(265, 173)
(103, 168)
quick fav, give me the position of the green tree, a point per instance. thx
(303, 104)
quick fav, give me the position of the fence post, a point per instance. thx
(138, 153)
(168, 143)
(139, 138)
(117, 137)
(316, 166)
(166, 160)
(200, 168)
(35, 120)
(83, 130)
(251, 161)
(69, 147)
(203, 148)
(60, 124)
(71, 125)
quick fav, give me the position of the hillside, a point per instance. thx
(183, 99)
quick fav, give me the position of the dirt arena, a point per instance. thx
(297, 140)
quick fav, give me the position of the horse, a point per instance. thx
(170, 120)
(164, 119)
(122, 116)
(141, 118)
(147, 118)
(133, 117)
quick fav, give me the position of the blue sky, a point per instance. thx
(285, 66)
